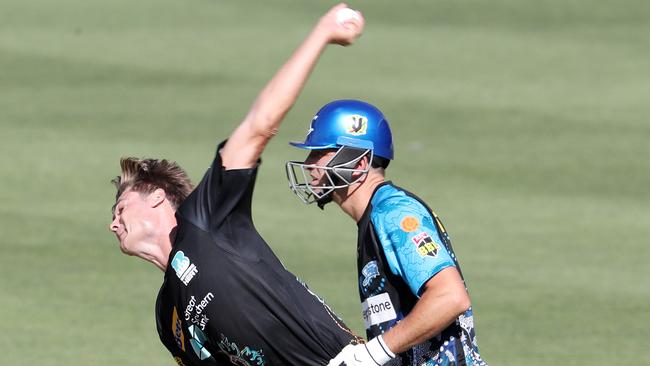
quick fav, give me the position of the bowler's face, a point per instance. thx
(132, 218)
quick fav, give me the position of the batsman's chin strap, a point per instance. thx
(321, 202)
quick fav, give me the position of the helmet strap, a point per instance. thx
(321, 202)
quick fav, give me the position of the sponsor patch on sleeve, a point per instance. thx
(410, 224)
(425, 245)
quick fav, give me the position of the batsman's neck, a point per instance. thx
(354, 199)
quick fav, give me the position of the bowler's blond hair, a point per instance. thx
(146, 175)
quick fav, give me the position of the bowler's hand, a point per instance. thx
(344, 33)
(373, 353)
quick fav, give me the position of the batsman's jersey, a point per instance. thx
(226, 298)
(402, 244)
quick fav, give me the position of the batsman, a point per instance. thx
(226, 299)
(415, 304)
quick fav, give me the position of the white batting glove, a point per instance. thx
(373, 353)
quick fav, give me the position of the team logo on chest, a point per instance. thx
(369, 272)
(371, 281)
(185, 269)
(425, 245)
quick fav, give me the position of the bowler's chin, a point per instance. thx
(125, 249)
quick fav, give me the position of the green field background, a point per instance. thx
(524, 124)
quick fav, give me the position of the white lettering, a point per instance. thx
(190, 308)
(193, 310)
(206, 300)
(204, 321)
(189, 274)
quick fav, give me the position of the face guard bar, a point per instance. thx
(338, 172)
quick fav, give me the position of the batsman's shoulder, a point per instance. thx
(398, 212)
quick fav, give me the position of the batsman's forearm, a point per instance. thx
(439, 305)
(280, 93)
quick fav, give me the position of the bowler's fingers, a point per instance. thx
(354, 23)
(343, 24)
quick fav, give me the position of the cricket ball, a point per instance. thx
(346, 14)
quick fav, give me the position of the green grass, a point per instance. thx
(523, 123)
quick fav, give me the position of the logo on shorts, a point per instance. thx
(356, 125)
(426, 245)
(185, 270)
(177, 330)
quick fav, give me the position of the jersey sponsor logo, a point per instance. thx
(356, 125)
(409, 224)
(185, 270)
(426, 246)
(198, 342)
(369, 272)
(377, 309)
(194, 312)
(177, 330)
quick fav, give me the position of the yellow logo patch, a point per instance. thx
(177, 330)
(410, 224)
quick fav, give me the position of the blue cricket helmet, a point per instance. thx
(349, 123)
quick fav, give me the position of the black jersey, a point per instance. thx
(226, 298)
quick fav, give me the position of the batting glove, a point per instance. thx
(373, 353)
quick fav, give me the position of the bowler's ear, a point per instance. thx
(156, 197)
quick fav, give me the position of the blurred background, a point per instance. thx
(524, 124)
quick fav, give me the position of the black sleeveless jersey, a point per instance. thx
(226, 299)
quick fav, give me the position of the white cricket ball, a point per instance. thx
(346, 14)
